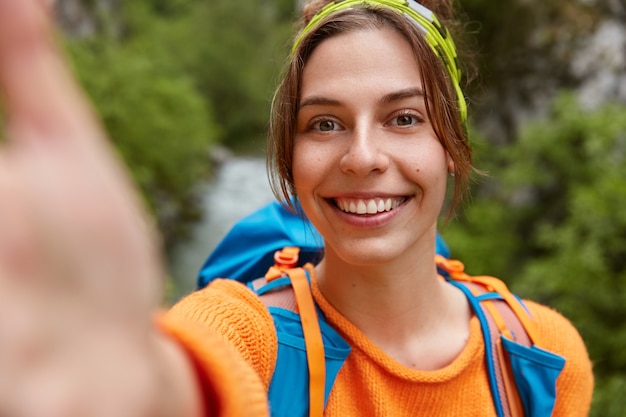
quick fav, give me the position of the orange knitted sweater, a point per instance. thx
(230, 387)
(371, 383)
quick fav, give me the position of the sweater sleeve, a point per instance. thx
(229, 386)
(575, 384)
(236, 313)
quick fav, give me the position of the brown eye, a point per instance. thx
(326, 126)
(405, 120)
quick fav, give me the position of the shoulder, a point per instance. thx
(234, 311)
(558, 335)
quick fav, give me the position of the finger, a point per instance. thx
(74, 185)
(18, 252)
(39, 93)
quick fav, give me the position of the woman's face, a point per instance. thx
(367, 166)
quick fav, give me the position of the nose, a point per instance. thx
(364, 154)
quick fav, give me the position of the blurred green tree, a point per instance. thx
(551, 223)
(158, 121)
(237, 52)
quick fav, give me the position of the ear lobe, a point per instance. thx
(451, 165)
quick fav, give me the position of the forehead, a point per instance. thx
(379, 59)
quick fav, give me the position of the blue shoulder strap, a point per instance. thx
(289, 388)
(532, 390)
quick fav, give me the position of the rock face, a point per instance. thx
(549, 46)
(79, 18)
(600, 64)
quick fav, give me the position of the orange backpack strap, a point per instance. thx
(312, 338)
(501, 321)
(503, 315)
(493, 285)
(285, 261)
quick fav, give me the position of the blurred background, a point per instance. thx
(184, 86)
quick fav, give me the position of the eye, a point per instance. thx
(324, 125)
(406, 119)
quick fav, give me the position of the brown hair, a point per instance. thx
(441, 100)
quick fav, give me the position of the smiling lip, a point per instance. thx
(368, 206)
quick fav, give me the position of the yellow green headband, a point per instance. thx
(436, 34)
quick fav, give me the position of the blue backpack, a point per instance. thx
(264, 249)
(247, 251)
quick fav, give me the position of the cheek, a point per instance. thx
(439, 174)
(428, 163)
(301, 166)
(307, 164)
(297, 161)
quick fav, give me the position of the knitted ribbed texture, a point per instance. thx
(372, 384)
(235, 312)
(230, 386)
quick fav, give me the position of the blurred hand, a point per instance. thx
(79, 268)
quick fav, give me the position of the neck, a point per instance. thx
(403, 307)
(375, 293)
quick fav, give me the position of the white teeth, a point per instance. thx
(370, 206)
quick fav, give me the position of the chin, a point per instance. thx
(368, 253)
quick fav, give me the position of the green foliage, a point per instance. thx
(168, 8)
(154, 115)
(494, 18)
(609, 395)
(553, 225)
(237, 53)
(171, 79)
(233, 52)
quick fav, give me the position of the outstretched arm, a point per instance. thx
(80, 270)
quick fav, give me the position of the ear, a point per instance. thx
(451, 165)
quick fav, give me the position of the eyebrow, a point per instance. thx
(319, 101)
(402, 94)
(388, 98)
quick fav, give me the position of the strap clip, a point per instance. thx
(284, 259)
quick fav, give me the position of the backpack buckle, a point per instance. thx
(284, 259)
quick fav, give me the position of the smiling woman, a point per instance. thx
(367, 123)
(440, 77)
(363, 146)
